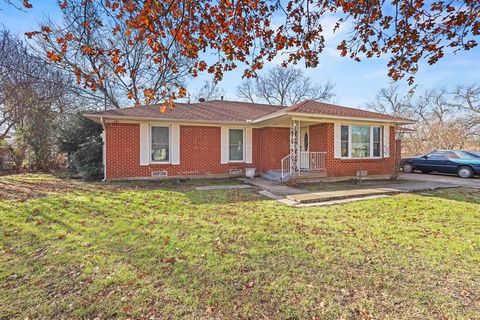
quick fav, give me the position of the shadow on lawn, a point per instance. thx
(187, 187)
(223, 196)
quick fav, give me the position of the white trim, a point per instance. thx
(145, 149)
(276, 114)
(273, 115)
(104, 149)
(386, 142)
(224, 145)
(337, 140)
(127, 119)
(175, 144)
(313, 116)
(325, 116)
(169, 161)
(248, 143)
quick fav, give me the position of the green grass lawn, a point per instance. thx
(71, 249)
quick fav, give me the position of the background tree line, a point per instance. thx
(40, 121)
(446, 119)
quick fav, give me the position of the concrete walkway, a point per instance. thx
(451, 180)
(272, 186)
(299, 198)
(365, 192)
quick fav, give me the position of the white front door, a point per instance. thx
(304, 148)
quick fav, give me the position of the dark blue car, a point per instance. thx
(474, 153)
(465, 164)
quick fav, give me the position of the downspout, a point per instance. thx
(104, 149)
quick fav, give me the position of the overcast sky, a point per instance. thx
(356, 83)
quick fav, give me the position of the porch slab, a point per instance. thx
(339, 195)
(319, 197)
(334, 202)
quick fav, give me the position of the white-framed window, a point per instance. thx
(359, 141)
(160, 144)
(236, 150)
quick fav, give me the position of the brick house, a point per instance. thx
(218, 138)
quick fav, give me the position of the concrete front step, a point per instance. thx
(305, 176)
(340, 195)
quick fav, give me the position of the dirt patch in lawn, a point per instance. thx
(26, 186)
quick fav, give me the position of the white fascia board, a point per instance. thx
(340, 118)
(94, 117)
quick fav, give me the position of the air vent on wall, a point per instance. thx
(159, 173)
(236, 171)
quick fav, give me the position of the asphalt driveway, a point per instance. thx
(452, 180)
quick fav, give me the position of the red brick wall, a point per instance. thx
(273, 145)
(321, 139)
(199, 151)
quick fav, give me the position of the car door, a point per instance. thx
(450, 165)
(435, 161)
(421, 163)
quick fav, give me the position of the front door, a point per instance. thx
(304, 149)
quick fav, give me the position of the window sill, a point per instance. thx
(367, 158)
(236, 161)
(160, 162)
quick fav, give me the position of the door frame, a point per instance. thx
(304, 164)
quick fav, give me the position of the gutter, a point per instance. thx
(104, 149)
(314, 116)
(94, 117)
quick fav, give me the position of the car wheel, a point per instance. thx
(465, 172)
(407, 168)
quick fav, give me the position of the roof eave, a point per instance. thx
(97, 117)
(325, 116)
(270, 116)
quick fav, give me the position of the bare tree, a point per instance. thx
(114, 67)
(284, 87)
(14, 75)
(391, 101)
(445, 120)
(467, 100)
(32, 96)
(17, 4)
(209, 91)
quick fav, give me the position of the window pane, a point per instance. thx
(160, 143)
(344, 137)
(376, 141)
(236, 144)
(437, 156)
(453, 155)
(360, 142)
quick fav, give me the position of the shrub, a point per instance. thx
(81, 139)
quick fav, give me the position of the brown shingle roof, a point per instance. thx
(235, 111)
(316, 107)
(214, 110)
